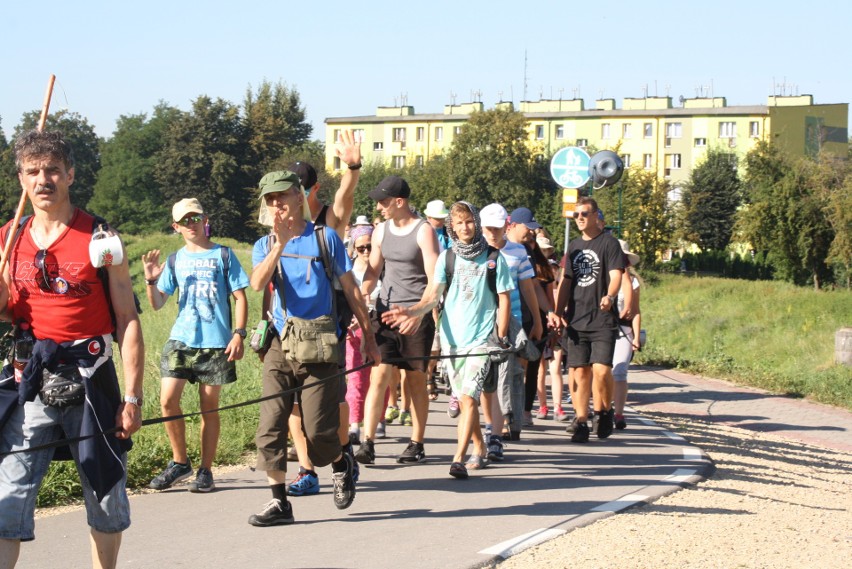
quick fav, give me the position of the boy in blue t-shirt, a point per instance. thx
(467, 322)
(202, 348)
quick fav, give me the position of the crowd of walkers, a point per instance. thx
(469, 299)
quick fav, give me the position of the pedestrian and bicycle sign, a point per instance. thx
(569, 167)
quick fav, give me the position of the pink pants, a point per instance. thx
(357, 383)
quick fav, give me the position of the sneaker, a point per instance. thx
(274, 513)
(581, 433)
(380, 430)
(344, 484)
(495, 449)
(366, 453)
(305, 484)
(292, 456)
(356, 470)
(560, 415)
(391, 414)
(413, 453)
(620, 422)
(527, 420)
(173, 473)
(572, 428)
(354, 438)
(605, 423)
(203, 481)
(453, 408)
(405, 418)
(542, 412)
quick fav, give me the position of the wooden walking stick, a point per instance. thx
(23, 202)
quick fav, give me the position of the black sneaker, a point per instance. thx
(495, 449)
(173, 474)
(344, 485)
(605, 423)
(620, 422)
(581, 433)
(274, 514)
(203, 481)
(366, 453)
(413, 453)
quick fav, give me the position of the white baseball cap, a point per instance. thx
(493, 215)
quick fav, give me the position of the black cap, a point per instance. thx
(390, 187)
(307, 174)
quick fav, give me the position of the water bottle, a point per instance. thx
(24, 341)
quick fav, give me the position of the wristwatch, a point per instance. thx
(241, 332)
(135, 400)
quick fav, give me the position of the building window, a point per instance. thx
(648, 129)
(700, 142)
(582, 142)
(336, 134)
(398, 162)
(418, 160)
(625, 159)
(605, 131)
(337, 162)
(673, 161)
(647, 161)
(439, 133)
(727, 130)
(358, 134)
(539, 132)
(674, 130)
(456, 130)
(625, 130)
(420, 133)
(560, 131)
(754, 129)
(378, 146)
(398, 134)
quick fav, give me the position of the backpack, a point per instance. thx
(491, 265)
(225, 253)
(98, 224)
(339, 304)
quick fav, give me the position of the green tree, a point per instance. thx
(785, 216)
(204, 157)
(648, 215)
(127, 193)
(490, 161)
(710, 200)
(275, 124)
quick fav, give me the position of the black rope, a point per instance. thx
(285, 393)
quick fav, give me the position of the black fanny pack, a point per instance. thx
(62, 387)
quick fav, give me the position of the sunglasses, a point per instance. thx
(48, 283)
(363, 248)
(186, 221)
(583, 214)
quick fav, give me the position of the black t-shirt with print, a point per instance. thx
(590, 263)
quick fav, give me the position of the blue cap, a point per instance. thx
(525, 216)
(600, 214)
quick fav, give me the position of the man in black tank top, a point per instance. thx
(406, 247)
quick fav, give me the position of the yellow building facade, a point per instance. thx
(646, 132)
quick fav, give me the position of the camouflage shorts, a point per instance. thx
(209, 366)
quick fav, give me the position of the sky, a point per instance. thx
(348, 58)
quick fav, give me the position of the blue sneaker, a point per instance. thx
(305, 484)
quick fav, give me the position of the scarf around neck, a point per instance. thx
(467, 251)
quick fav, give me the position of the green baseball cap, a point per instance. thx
(279, 181)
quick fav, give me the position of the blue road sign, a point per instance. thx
(570, 167)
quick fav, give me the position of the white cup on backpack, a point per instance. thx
(105, 249)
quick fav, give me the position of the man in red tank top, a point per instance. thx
(51, 284)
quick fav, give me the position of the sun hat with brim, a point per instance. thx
(544, 244)
(436, 210)
(632, 258)
(361, 220)
(184, 207)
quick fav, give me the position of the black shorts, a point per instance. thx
(592, 347)
(393, 345)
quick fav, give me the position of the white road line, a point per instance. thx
(692, 453)
(681, 475)
(673, 436)
(621, 503)
(645, 421)
(522, 542)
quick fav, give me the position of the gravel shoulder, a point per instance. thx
(770, 503)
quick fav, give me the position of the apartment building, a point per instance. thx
(648, 132)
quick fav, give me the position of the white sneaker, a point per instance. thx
(380, 430)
